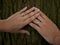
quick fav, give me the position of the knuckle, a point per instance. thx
(33, 17)
(37, 9)
(33, 7)
(31, 13)
(22, 14)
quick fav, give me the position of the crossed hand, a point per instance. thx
(36, 19)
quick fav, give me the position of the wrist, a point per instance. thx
(6, 27)
(3, 25)
(57, 39)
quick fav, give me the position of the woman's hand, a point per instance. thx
(45, 27)
(20, 19)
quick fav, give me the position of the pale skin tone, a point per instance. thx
(36, 19)
(46, 28)
(14, 23)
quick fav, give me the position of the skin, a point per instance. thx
(46, 28)
(36, 19)
(14, 23)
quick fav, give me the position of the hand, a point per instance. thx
(45, 27)
(20, 19)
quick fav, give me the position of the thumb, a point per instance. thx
(23, 31)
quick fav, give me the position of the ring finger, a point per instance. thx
(37, 22)
(31, 14)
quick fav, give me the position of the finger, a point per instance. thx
(34, 26)
(31, 14)
(28, 11)
(23, 32)
(40, 24)
(37, 22)
(22, 10)
(17, 13)
(40, 19)
(31, 19)
(43, 15)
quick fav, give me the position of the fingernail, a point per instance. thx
(26, 7)
(33, 7)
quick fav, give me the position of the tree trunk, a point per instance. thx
(8, 7)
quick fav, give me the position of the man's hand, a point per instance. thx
(45, 27)
(20, 19)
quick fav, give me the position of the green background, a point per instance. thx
(8, 7)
